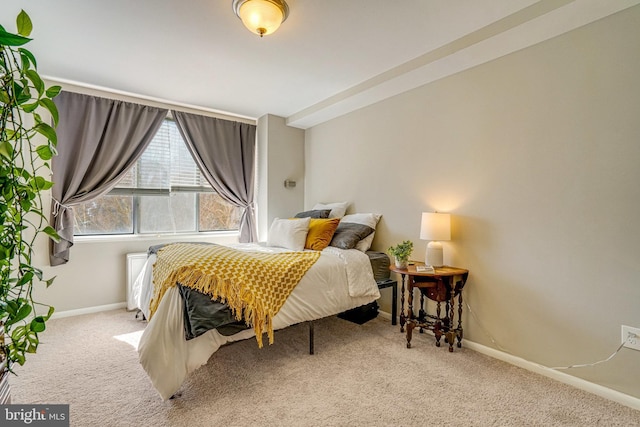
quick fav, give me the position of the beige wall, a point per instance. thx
(536, 155)
(280, 157)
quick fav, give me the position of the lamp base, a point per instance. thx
(434, 256)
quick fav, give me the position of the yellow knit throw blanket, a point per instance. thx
(255, 285)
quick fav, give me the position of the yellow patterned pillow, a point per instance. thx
(320, 233)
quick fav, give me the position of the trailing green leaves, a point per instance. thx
(23, 23)
(39, 183)
(27, 144)
(6, 150)
(52, 233)
(45, 152)
(53, 91)
(8, 39)
(28, 59)
(46, 130)
(51, 107)
(36, 80)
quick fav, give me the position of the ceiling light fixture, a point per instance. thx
(261, 17)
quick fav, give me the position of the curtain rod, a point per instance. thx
(162, 102)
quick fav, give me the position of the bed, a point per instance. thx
(340, 279)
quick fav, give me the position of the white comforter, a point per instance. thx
(338, 281)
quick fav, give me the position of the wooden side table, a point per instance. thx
(443, 285)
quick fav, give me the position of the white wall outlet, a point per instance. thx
(631, 337)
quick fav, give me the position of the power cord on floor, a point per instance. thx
(557, 368)
(591, 364)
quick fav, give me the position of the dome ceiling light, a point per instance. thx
(261, 17)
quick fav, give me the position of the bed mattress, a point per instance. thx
(379, 264)
(338, 281)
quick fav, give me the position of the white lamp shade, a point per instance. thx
(435, 226)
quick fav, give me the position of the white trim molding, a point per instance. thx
(607, 393)
(579, 383)
(88, 310)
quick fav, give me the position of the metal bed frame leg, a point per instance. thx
(311, 337)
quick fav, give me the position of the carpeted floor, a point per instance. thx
(361, 375)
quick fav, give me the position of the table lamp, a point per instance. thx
(435, 227)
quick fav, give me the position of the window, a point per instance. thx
(164, 192)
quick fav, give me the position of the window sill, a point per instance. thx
(103, 238)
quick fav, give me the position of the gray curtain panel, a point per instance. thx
(225, 152)
(99, 140)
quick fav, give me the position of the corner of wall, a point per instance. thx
(280, 158)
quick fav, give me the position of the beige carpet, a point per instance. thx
(361, 375)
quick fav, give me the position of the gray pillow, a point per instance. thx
(348, 234)
(324, 213)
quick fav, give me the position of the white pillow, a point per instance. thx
(288, 233)
(337, 209)
(369, 219)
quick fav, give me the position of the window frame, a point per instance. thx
(136, 211)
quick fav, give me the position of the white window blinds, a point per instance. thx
(165, 166)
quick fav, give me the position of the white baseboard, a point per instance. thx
(607, 393)
(579, 383)
(384, 314)
(88, 310)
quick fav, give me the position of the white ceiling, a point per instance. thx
(328, 58)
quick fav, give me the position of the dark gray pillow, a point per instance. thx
(324, 213)
(348, 234)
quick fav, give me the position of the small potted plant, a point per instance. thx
(401, 253)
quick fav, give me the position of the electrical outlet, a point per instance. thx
(631, 337)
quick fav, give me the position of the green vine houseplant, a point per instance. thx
(27, 144)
